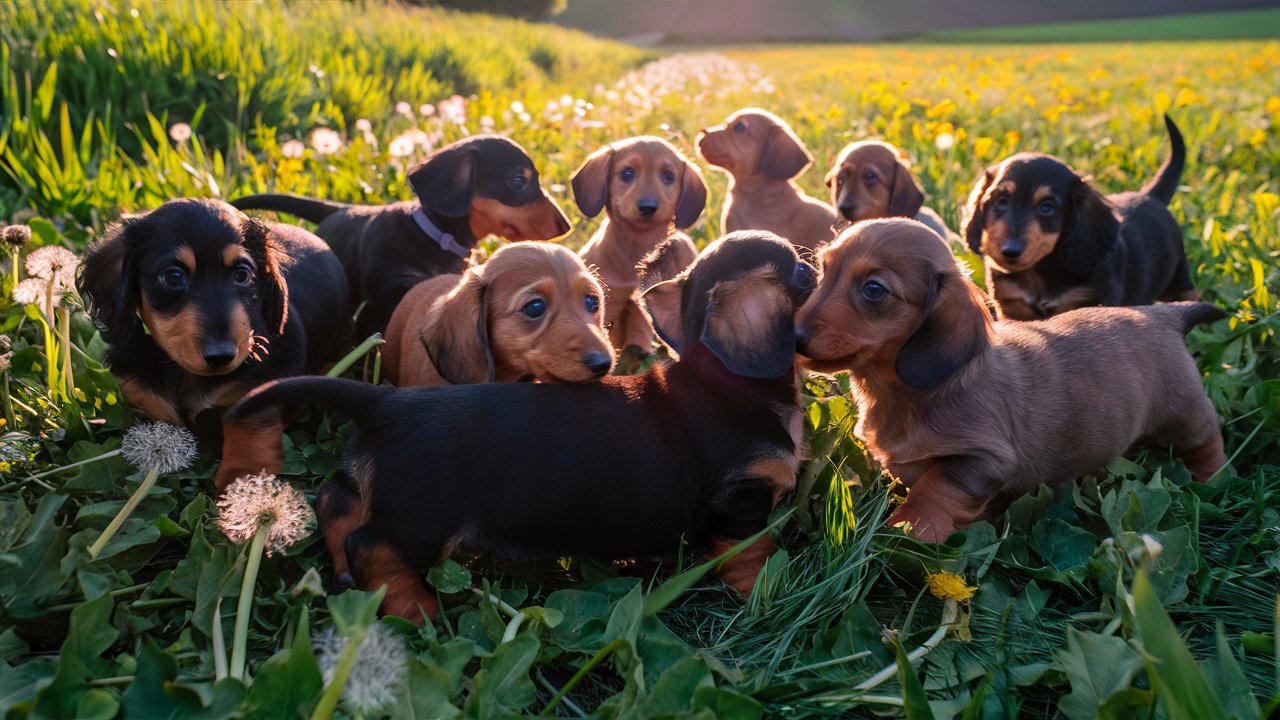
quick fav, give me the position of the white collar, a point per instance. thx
(442, 238)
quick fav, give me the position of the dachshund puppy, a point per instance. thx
(532, 311)
(648, 189)
(478, 186)
(971, 413)
(1053, 243)
(762, 155)
(872, 179)
(199, 304)
(520, 470)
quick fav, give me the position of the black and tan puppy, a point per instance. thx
(701, 450)
(474, 187)
(1053, 243)
(199, 304)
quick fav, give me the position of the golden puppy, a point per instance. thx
(762, 155)
(872, 179)
(532, 311)
(648, 189)
(971, 413)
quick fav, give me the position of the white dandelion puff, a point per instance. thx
(364, 126)
(158, 446)
(426, 110)
(53, 262)
(325, 141)
(263, 501)
(401, 146)
(380, 666)
(487, 123)
(32, 292)
(404, 108)
(944, 141)
(293, 149)
(17, 236)
(180, 132)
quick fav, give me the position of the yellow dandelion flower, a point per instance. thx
(111, 398)
(949, 586)
(1013, 137)
(1163, 101)
(982, 146)
(1185, 97)
(1258, 138)
(1273, 105)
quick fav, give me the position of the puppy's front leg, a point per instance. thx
(739, 511)
(375, 563)
(741, 570)
(250, 446)
(937, 506)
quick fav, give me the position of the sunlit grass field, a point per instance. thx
(1136, 593)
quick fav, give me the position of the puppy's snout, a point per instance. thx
(804, 277)
(647, 206)
(219, 353)
(597, 362)
(846, 211)
(802, 339)
(1012, 249)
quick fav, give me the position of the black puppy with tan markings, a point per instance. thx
(1053, 243)
(483, 185)
(199, 304)
(630, 466)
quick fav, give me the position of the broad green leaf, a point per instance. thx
(726, 703)
(1177, 680)
(585, 616)
(672, 693)
(89, 635)
(1097, 667)
(915, 704)
(97, 704)
(503, 687)
(288, 682)
(425, 694)
(449, 577)
(1063, 545)
(355, 610)
(1229, 681)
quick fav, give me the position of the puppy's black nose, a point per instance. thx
(597, 362)
(217, 354)
(846, 211)
(1012, 248)
(802, 339)
(647, 206)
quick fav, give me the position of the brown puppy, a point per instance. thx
(762, 155)
(872, 179)
(1053, 243)
(532, 311)
(482, 185)
(971, 413)
(648, 189)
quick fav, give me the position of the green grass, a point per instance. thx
(1060, 621)
(1229, 25)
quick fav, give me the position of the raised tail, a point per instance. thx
(1165, 183)
(309, 209)
(357, 399)
(1196, 313)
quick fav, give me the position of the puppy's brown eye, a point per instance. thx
(873, 290)
(739, 127)
(174, 278)
(668, 177)
(869, 178)
(535, 308)
(518, 183)
(592, 304)
(627, 174)
(1000, 204)
(1046, 208)
(242, 275)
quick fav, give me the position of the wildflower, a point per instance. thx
(944, 141)
(53, 262)
(982, 146)
(426, 110)
(454, 109)
(517, 106)
(949, 586)
(262, 501)
(380, 665)
(404, 108)
(293, 149)
(1258, 138)
(401, 146)
(325, 141)
(363, 125)
(486, 123)
(180, 132)
(158, 446)
(16, 237)
(1273, 105)
(32, 292)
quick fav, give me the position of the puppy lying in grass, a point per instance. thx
(971, 413)
(700, 451)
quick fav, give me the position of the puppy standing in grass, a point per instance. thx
(1052, 243)
(532, 311)
(199, 304)
(706, 446)
(648, 189)
(762, 156)
(483, 185)
(971, 414)
(872, 179)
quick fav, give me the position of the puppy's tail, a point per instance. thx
(1195, 313)
(309, 209)
(1166, 180)
(356, 399)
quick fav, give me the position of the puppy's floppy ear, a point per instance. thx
(663, 303)
(750, 325)
(905, 196)
(446, 181)
(952, 330)
(591, 182)
(272, 289)
(459, 342)
(1090, 233)
(974, 221)
(783, 155)
(693, 195)
(107, 280)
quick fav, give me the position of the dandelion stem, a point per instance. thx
(513, 627)
(64, 330)
(78, 463)
(240, 637)
(124, 513)
(8, 406)
(595, 660)
(329, 700)
(113, 593)
(497, 602)
(219, 644)
(350, 358)
(950, 611)
(50, 344)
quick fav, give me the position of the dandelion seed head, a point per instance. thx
(261, 500)
(159, 446)
(17, 236)
(944, 141)
(364, 126)
(404, 108)
(293, 149)
(32, 292)
(53, 262)
(325, 141)
(401, 146)
(426, 110)
(180, 132)
(380, 665)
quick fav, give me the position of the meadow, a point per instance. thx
(1133, 593)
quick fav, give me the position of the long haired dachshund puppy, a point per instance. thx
(532, 311)
(199, 304)
(478, 186)
(648, 189)
(711, 443)
(762, 155)
(971, 413)
(872, 179)
(1053, 243)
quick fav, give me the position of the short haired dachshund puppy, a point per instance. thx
(478, 186)
(762, 155)
(1053, 243)
(872, 179)
(533, 310)
(648, 189)
(199, 304)
(711, 443)
(971, 413)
